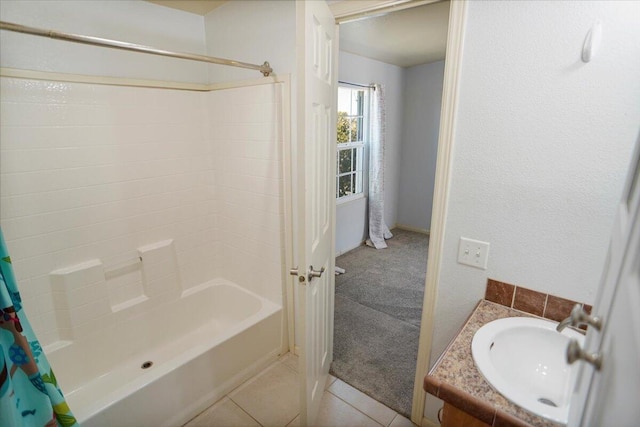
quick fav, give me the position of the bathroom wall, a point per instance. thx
(420, 130)
(351, 221)
(95, 172)
(542, 145)
(131, 21)
(253, 32)
(246, 133)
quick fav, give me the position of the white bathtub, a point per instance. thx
(202, 344)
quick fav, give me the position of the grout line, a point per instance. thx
(287, 366)
(394, 418)
(87, 187)
(513, 297)
(544, 308)
(297, 415)
(332, 382)
(243, 410)
(363, 413)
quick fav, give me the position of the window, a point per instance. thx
(352, 136)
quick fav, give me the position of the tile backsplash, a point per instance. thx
(537, 303)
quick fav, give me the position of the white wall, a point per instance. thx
(131, 21)
(358, 69)
(246, 135)
(253, 32)
(351, 225)
(542, 145)
(95, 172)
(420, 130)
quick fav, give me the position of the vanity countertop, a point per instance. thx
(456, 380)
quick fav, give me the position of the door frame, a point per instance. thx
(350, 11)
(444, 161)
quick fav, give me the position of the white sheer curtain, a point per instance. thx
(378, 230)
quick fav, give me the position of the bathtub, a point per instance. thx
(164, 365)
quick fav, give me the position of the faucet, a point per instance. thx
(566, 322)
(579, 317)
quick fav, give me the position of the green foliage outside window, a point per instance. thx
(347, 128)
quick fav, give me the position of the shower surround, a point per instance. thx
(137, 217)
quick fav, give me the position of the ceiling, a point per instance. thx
(404, 38)
(201, 7)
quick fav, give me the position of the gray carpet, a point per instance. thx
(377, 318)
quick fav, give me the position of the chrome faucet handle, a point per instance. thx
(580, 317)
(575, 352)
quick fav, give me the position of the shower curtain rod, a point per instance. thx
(265, 68)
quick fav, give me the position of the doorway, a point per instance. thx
(378, 303)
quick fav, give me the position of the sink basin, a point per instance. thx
(524, 360)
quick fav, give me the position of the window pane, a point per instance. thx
(357, 101)
(355, 128)
(343, 127)
(359, 129)
(353, 183)
(358, 182)
(352, 117)
(356, 159)
(344, 100)
(344, 161)
(344, 186)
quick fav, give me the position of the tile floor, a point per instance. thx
(271, 399)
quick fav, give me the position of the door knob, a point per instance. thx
(315, 273)
(294, 272)
(575, 352)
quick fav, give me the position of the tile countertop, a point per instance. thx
(456, 380)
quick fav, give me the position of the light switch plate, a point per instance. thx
(473, 252)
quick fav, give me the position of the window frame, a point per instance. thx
(360, 171)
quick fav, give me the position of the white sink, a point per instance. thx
(524, 359)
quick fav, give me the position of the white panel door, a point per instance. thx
(610, 396)
(317, 88)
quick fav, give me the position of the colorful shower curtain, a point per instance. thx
(29, 393)
(378, 229)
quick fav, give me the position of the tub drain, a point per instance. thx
(147, 364)
(547, 402)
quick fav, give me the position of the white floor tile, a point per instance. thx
(362, 402)
(400, 421)
(330, 381)
(334, 412)
(225, 413)
(291, 360)
(272, 397)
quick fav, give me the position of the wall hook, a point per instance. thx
(592, 42)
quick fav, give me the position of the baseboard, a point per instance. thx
(411, 228)
(426, 422)
(350, 249)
